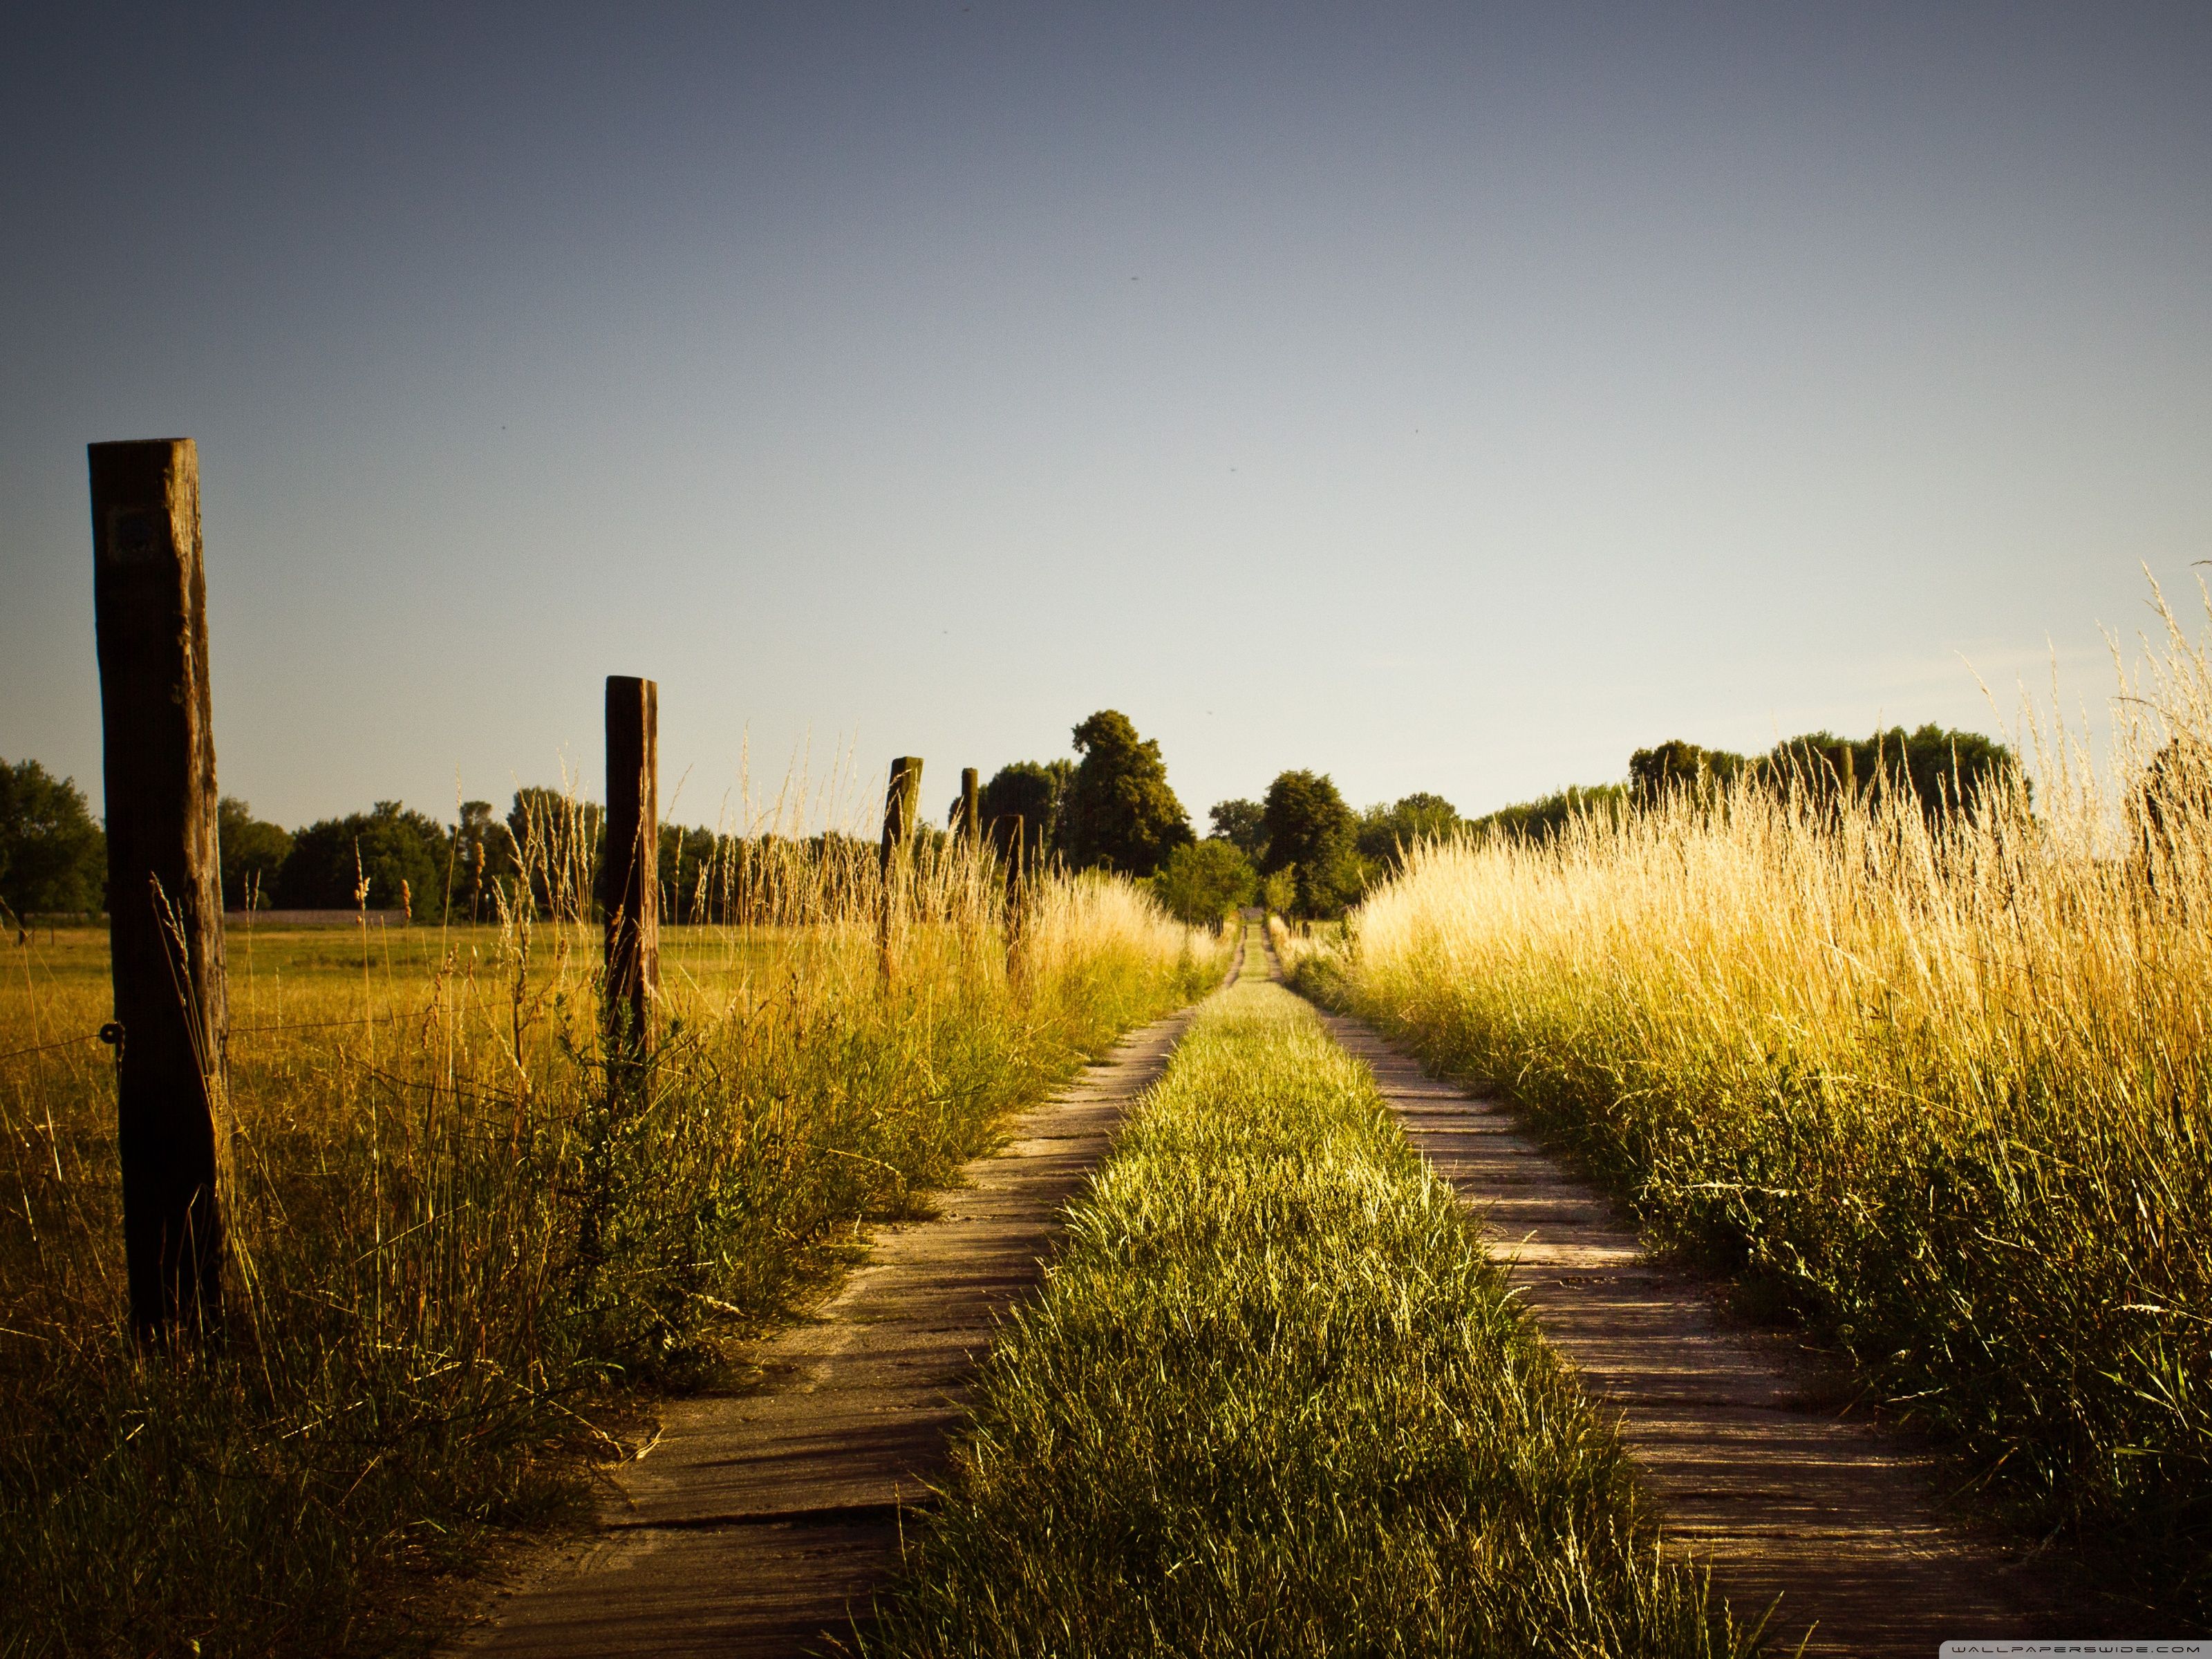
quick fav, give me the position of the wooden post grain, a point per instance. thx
(902, 800)
(633, 890)
(164, 884)
(971, 822)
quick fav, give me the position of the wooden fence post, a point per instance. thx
(902, 800)
(633, 893)
(902, 797)
(971, 822)
(164, 877)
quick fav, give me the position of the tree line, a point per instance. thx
(1301, 848)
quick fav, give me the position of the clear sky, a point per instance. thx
(1452, 397)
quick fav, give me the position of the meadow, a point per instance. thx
(1274, 1398)
(1932, 1083)
(463, 1260)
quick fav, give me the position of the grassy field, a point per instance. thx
(1937, 1088)
(1274, 1399)
(461, 1261)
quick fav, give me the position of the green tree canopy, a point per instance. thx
(401, 855)
(1385, 832)
(1026, 799)
(1675, 765)
(1945, 771)
(253, 853)
(1242, 824)
(1314, 835)
(1203, 881)
(52, 855)
(556, 838)
(480, 855)
(1540, 820)
(1119, 813)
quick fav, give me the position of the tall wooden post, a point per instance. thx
(902, 799)
(971, 820)
(164, 879)
(902, 802)
(633, 889)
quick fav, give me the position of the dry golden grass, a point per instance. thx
(1936, 1083)
(457, 1251)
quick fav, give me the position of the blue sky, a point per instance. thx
(1444, 397)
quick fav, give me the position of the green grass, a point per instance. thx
(463, 1265)
(1274, 1399)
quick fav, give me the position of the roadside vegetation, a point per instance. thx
(1924, 1062)
(462, 1261)
(1274, 1399)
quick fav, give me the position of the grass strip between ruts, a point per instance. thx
(1274, 1399)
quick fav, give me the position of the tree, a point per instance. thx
(1025, 799)
(1203, 881)
(1944, 770)
(1312, 833)
(402, 856)
(1119, 813)
(689, 859)
(1386, 832)
(253, 854)
(1242, 822)
(1675, 766)
(477, 845)
(1538, 821)
(554, 839)
(52, 856)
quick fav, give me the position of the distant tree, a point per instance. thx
(1675, 765)
(1243, 823)
(2169, 811)
(1313, 833)
(52, 855)
(1025, 799)
(403, 855)
(480, 857)
(688, 858)
(253, 854)
(1119, 813)
(1279, 892)
(1538, 821)
(554, 839)
(1203, 881)
(1943, 770)
(1385, 832)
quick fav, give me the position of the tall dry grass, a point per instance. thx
(1936, 1083)
(460, 1254)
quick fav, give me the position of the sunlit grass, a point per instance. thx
(1938, 1089)
(457, 1253)
(1274, 1399)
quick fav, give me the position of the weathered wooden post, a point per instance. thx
(164, 881)
(902, 801)
(971, 821)
(902, 797)
(633, 888)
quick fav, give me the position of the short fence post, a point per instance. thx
(632, 889)
(971, 822)
(164, 881)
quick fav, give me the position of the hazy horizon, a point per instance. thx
(1445, 398)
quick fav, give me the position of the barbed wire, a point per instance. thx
(235, 1030)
